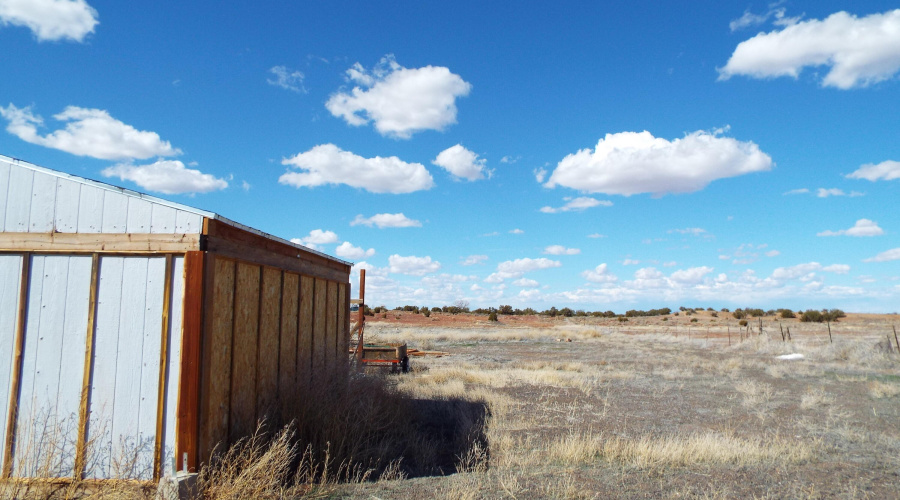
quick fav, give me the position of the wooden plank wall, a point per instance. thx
(119, 386)
(268, 334)
(38, 202)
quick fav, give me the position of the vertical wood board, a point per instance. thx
(246, 342)
(320, 333)
(267, 356)
(343, 325)
(287, 359)
(216, 402)
(197, 304)
(331, 332)
(305, 345)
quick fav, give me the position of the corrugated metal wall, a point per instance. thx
(32, 201)
(124, 387)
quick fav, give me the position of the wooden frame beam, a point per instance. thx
(102, 242)
(15, 384)
(163, 369)
(83, 409)
(187, 420)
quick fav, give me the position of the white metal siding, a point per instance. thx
(122, 427)
(40, 202)
(10, 282)
(53, 365)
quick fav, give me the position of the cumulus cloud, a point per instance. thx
(884, 171)
(629, 163)
(328, 164)
(512, 269)
(599, 274)
(316, 238)
(577, 205)
(796, 191)
(412, 265)
(51, 19)
(691, 275)
(400, 101)
(837, 268)
(892, 254)
(348, 251)
(803, 272)
(287, 79)
(516, 231)
(561, 250)
(462, 163)
(386, 220)
(596, 235)
(526, 283)
(859, 51)
(88, 132)
(167, 177)
(630, 262)
(473, 260)
(863, 227)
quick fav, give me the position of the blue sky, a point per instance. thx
(593, 155)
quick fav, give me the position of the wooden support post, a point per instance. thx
(895, 338)
(187, 423)
(829, 333)
(163, 366)
(15, 385)
(729, 336)
(789, 334)
(83, 409)
(362, 312)
(782, 330)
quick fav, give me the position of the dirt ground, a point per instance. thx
(654, 408)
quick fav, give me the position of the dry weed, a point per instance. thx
(879, 390)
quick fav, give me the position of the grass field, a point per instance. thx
(652, 410)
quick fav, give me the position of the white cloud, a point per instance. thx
(473, 260)
(348, 251)
(511, 269)
(629, 163)
(796, 191)
(825, 193)
(399, 100)
(316, 238)
(561, 250)
(630, 262)
(859, 51)
(167, 177)
(863, 227)
(287, 79)
(462, 163)
(577, 204)
(328, 164)
(886, 171)
(386, 220)
(510, 159)
(516, 231)
(803, 272)
(889, 255)
(540, 174)
(772, 253)
(51, 19)
(837, 268)
(526, 283)
(599, 274)
(691, 275)
(89, 132)
(596, 235)
(416, 266)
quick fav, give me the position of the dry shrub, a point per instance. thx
(879, 390)
(815, 398)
